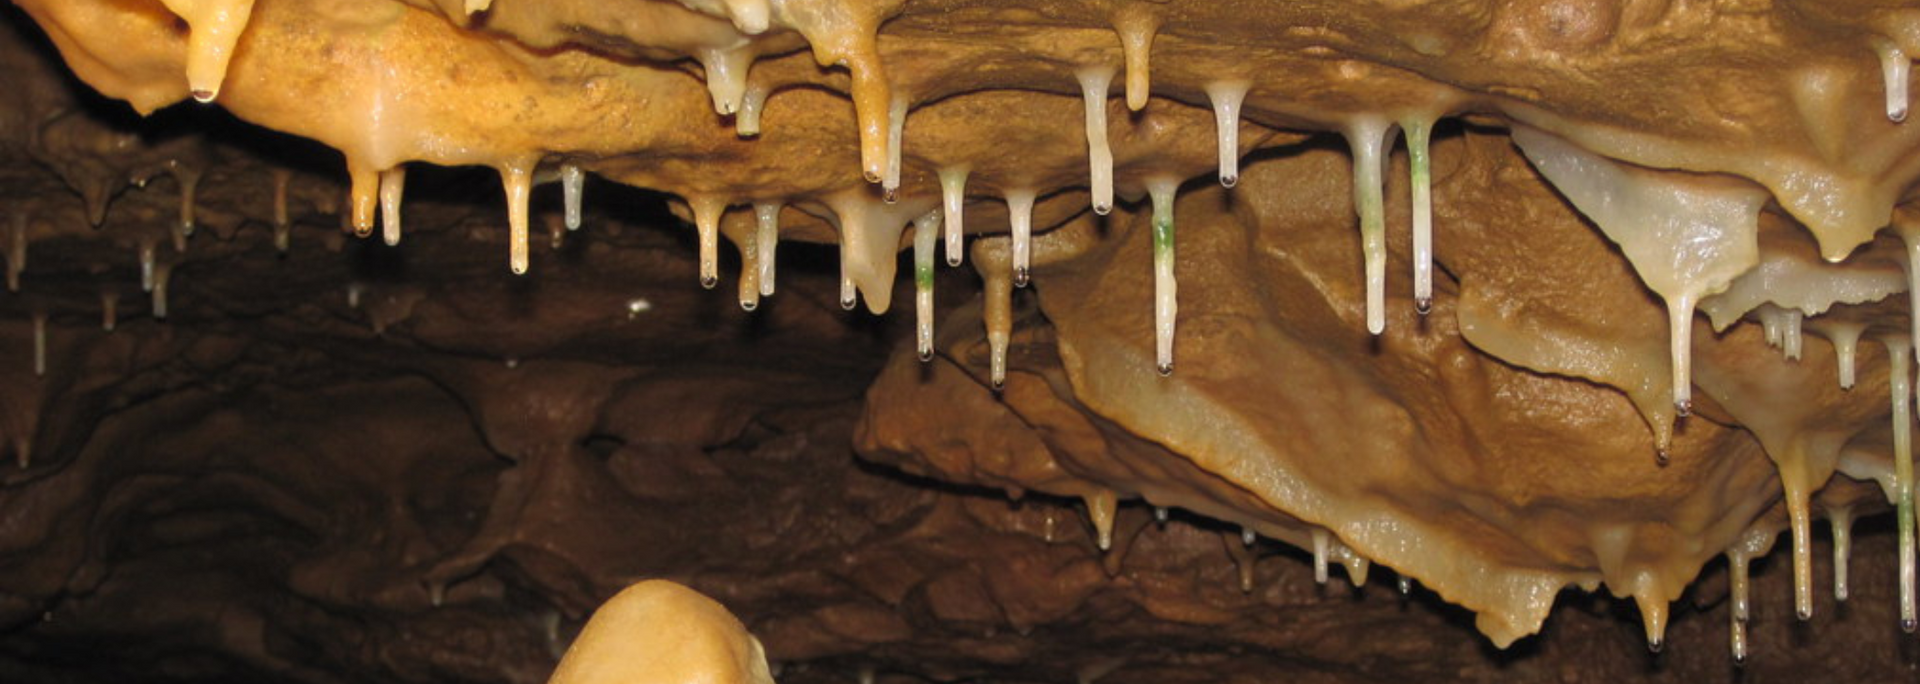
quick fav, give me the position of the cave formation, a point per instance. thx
(1075, 340)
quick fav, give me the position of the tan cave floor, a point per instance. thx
(1049, 341)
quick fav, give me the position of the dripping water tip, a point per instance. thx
(890, 195)
(871, 176)
(1897, 115)
(203, 96)
(709, 282)
(1654, 645)
(954, 260)
(1229, 181)
(1423, 305)
(926, 354)
(1908, 625)
(848, 302)
(1739, 660)
(1022, 276)
(1805, 613)
(748, 305)
(999, 384)
(1103, 209)
(1683, 408)
(1166, 369)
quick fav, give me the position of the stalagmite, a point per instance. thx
(1020, 216)
(573, 183)
(767, 236)
(746, 122)
(1370, 138)
(1687, 237)
(896, 132)
(1094, 84)
(1841, 518)
(161, 274)
(214, 27)
(707, 211)
(1792, 341)
(282, 222)
(393, 184)
(517, 178)
(1320, 555)
(1900, 384)
(925, 232)
(953, 196)
(17, 250)
(1137, 26)
(1894, 67)
(109, 310)
(1226, 97)
(39, 344)
(1100, 508)
(1166, 302)
(1419, 132)
(148, 253)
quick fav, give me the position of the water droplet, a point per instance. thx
(1683, 408)
(1166, 369)
(1103, 209)
(203, 96)
(848, 302)
(1908, 625)
(1423, 305)
(709, 282)
(1229, 181)
(926, 355)
(1805, 613)
(1022, 276)
(871, 176)
(1654, 645)
(890, 195)
(749, 305)
(1661, 456)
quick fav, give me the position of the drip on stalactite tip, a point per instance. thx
(849, 302)
(1661, 457)
(709, 282)
(203, 96)
(1406, 585)
(890, 195)
(1166, 369)
(1160, 514)
(1228, 181)
(871, 176)
(1021, 277)
(1909, 626)
(1654, 645)
(1423, 305)
(1804, 613)
(1248, 537)
(999, 384)
(926, 355)
(1103, 209)
(1683, 408)
(1739, 660)
(748, 305)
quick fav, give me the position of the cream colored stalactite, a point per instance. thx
(870, 232)
(1900, 384)
(1841, 521)
(516, 177)
(393, 187)
(1370, 138)
(953, 197)
(1755, 543)
(1685, 239)
(1020, 220)
(1895, 66)
(1226, 97)
(707, 210)
(658, 632)
(767, 238)
(1095, 81)
(573, 182)
(1419, 135)
(1101, 506)
(1803, 282)
(847, 35)
(364, 190)
(896, 132)
(149, 254)
(188, 178)
(1845, 336)
(1137, 25)
(746, 122)
(1320, 551)
(748, 244)
(214, 30)
(926, 231)
(1248, 537)
(478, 6)
(162, 273)
(1166, 290)
(1792, 337)
(726, 70)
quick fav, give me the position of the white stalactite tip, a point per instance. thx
(573, 182)
(1020, 216)
(478, 6)
(39, 345)
(148, 256)
(998, 311)
(1248, 536)
(1419, 161)
(1320, 542)
(1095, 81)
(1160, 514)
(1895, 66)
(746, 122)
(1842, 526)
(726, 71)
(1369, 139)
(1900, 386)
(1166, 297)
(393, 184)
(1680, 334)
(925, 235)
(767, 234)
(849, 294)
(953, 198)
(1226, 97)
